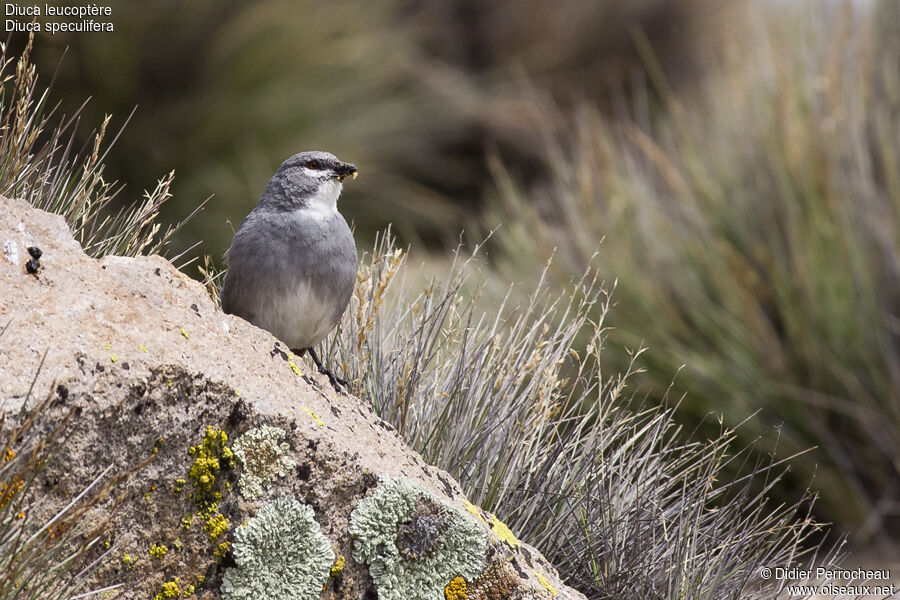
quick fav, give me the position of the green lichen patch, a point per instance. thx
(414, 543)
(262, 454)
(280, 554)
(420, 534)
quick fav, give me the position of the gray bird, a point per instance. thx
(292, 263)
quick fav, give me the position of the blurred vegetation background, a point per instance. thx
(740, 162)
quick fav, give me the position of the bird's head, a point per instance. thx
(309, 180)
(318, 165)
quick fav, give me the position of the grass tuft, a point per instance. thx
(44, 558)
(511, 401)
(40, 164)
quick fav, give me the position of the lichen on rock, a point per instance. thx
(262, 454)
(280, 554)
(413, 543)
(496, 582)
(210, 456)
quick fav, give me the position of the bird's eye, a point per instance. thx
(314, 164)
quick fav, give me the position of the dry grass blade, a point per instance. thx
(39, 163)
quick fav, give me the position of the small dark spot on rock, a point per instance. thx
(100, 368)
(63, 392)
(139, 408)
(519, 570)
(369, 480)
(35, 252)
(335, 411)
(238, 414)
(51, 482)
(126, 366)
(195, 308)
(226, 562)
(104, 267)
(33, 266)
(293, 426)
(312, 445)
(448, 489)
(279, 352)
(78, 410)
(527, 556)
(156, 271)
(303, 472)
(338, 584)
(371, 594)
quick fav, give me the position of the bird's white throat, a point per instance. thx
(323, 203)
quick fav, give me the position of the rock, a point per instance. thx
(239, 479)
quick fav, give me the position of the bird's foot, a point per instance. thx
(336, 382)
(340, 385)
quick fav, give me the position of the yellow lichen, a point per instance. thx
(496, 581)
(217, 525)
(158, 551)
(188, 591)
(113, 358)
(546, 583)
(503, 532)
(221, 550)
(143, 348)
(294, 366)
(207, 457)
(315, 417)
(128, 561)
(456, 589)
(169, 590)
(185, 333)
(474, 510)
(338, 567)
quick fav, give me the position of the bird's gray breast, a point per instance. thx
(291, 273)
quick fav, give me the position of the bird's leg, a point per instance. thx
(336, 382)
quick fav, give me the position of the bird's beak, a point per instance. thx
(346, 169)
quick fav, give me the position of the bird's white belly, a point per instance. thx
(298, 317)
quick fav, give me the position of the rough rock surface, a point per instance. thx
(154, 371)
